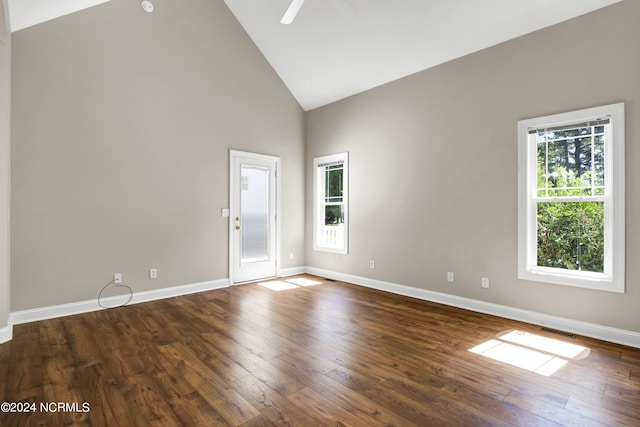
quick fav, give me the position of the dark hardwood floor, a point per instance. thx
(330, 354)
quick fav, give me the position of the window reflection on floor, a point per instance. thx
(283, 285)
(535, 353)
(301, 281)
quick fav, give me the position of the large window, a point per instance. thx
(331, 213)
(571, 198)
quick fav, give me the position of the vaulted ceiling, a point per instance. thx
(337, 48)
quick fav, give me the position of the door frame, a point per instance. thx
(233, 154)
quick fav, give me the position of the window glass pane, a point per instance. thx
(570, 133)
(571, 235)
(542, 166)
(598, 162)
(570, 162)
(333, 214)
(332, 234)
(333, 183)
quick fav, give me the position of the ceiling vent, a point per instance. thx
(558, 332)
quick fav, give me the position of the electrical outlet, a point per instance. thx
(450, 277)
(372, 264)
(117, 278)
(485, 282)
(153, 273)
(290, 255)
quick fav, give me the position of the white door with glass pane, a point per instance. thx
(253, 231)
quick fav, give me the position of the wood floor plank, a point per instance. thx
(417, 412)
(627, 394)
(279, 381)
(613, 408)
(327, 410)
(551, 413)
(501, 409)
(445, 406)
(105, 394)
(259, 421)
(5, 353)
(168, 375)
(323, 355)
(274, 407)
(25, 376)
(59, 373)
(354, 380)
(208, 353)
(369, 411)
(223, 399)
(603, 414)
(194, 410)
(634, 380)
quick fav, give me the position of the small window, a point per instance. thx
(331, 213)
(571, 198)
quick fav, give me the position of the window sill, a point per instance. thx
(578, 279)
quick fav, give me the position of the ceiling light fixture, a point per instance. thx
(147, 6)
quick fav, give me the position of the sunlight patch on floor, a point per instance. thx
(284, 285)
(549, 345)
(535, 353)
(278, 285)
(301, 281)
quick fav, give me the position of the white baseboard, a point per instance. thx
(54, 311)
(592, 330)
(43, 313)
(6, 333)
(619, 336)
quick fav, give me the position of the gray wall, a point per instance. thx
(5, 104)
(433, 164)
(122, 121)
(121, 127)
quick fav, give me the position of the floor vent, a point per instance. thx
(557, 332)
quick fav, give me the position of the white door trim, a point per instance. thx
(233, 154)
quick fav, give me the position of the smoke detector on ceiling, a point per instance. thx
(147, 6)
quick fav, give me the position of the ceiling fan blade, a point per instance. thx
(291, 12)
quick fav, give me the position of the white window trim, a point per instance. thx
(613, 278)
(318, 206)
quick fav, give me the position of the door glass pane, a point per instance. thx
(254, 214)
